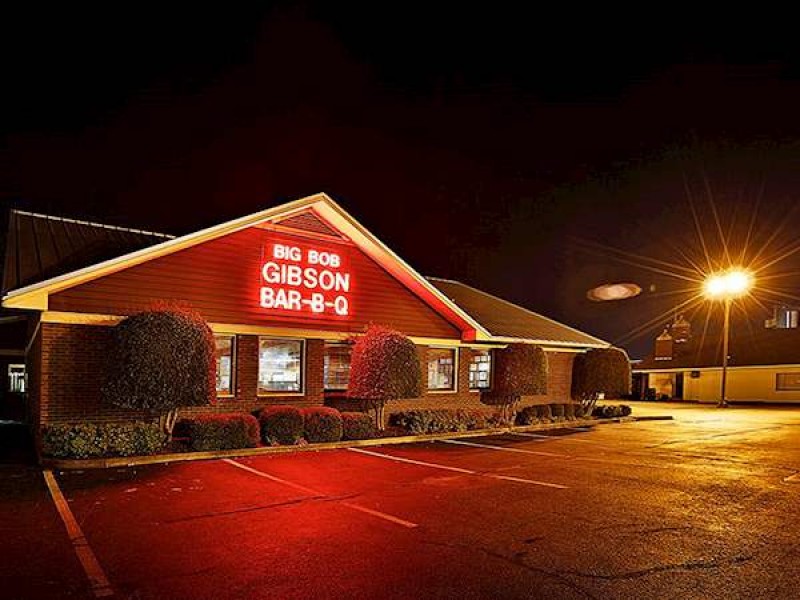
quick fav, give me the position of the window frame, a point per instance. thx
(24, 377)
(450, 390)
(339, 344)
(234, 358)
(779, 388)
(303, 349)
(473, 354)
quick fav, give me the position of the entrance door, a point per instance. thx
(678, 391)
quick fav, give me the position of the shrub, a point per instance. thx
(357, 426)
(527, 416)
(90, 440)
(161, 360)
(600, 371)
(384, 366)
(440, 420)
(519, 370)
(569, 412)
(611, 411)
(580, 411)
(558, 411)
(543, 412)
(281, 425)
(322, 424)
(220, 432)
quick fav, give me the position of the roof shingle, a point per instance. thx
(507, 320)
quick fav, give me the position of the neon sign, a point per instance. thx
(305, 280)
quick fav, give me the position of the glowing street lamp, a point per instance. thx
(727, 286)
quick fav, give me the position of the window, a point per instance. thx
(225, 352)
(785, 382)
(441, 368)
(336, 366)
(480, 370)
(280, 365)
(16, 378)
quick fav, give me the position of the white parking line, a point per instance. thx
(543, 438)
(504, 449)
(315, 493)
(98, 581)
(457, 469)
(296, 486)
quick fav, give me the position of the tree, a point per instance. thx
(161, 360)
(600, 371)
(384, 366)
(519, 370)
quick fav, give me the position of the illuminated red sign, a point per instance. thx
(305, 280)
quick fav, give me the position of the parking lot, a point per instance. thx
(700, 507)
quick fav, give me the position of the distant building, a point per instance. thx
(763, 361)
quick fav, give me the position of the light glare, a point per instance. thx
(730, 284)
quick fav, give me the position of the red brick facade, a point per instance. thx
(66, 366)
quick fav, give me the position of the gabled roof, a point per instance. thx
(750, 345)
(39, 247)
(35, 295)
(512, 323)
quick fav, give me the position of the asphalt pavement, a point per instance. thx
(704, 506)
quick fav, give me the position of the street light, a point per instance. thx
(727, 286)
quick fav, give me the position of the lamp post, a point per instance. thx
(727, 286)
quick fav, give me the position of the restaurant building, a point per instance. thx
(283, 290)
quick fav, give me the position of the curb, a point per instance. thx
(655, 418)
(155, 459)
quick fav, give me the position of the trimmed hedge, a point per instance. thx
(93, 440)
(545, 413)
(527, 416)
(281, 425)
(161, 360)
(220, 432)
(441, 420)
(357, 426)
(519, 370)
(601, 370)
(322, 424)
(611, 411)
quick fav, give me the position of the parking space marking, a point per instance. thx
(542, 438)
(258, 473)
(317, 494)
(458, 469)
(504, 449)
(98, 581)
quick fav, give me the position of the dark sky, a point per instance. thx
(495, 146)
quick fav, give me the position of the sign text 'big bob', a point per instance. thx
(305, 280)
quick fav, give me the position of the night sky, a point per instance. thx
(521, 152)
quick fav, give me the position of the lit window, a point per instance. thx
(280, 365)
(16, 379)
(441, 368)
(480, 370)
(787, 382)
(224, 354)
(336, 366)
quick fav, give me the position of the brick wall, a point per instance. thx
(70, 361)
(67, 366)
(559, 380)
